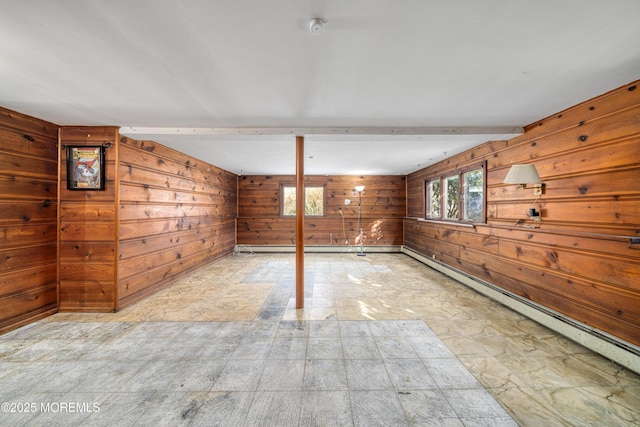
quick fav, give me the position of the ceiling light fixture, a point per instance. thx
(316, 26)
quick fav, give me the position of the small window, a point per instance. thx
(473, 191)
(451, 197)
(433, 199)
(313, 201)
(458, 195)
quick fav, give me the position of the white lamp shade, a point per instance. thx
(522, 174)
(347, 202)
(359, 188)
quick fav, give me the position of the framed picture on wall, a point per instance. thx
(85, 168)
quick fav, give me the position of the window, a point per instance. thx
(451, 197)
(433, 199)
(457, 196)
(313, 201)
(473, 182)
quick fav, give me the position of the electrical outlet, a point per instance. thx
(538, 189)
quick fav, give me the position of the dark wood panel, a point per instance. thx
(592, 293)
(138, 192)
(383, 207)
(22, 124)
(148, 244)
(220, 183)
(93, 295)
(478, 242)
(605, 210)
(79, 231)
(176, 214)
(27, 166)
(627, 96)
(590, 315)
(26, 256)
(79, 271)
(28, 219)
(150, 261)
(595, 160)
(213, 173)
(84, 250)
(17, 188)
(584, 265)
(153, 227)
(282, 231)
(577, 259)
(92, 135)
(32, 144)
(88, 227)
(22, 279)
(144, 211)
(27, 212)
(96, 212)
(585, 186)
(594, 134)
(16, 307)
(604, 244)
(190, 168)
(23, 234)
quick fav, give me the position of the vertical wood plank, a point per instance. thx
(299, 221)
(116, 237)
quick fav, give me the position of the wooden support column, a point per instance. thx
(299, 221)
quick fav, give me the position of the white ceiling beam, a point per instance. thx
(436, 130)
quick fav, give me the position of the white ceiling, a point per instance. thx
(254, 63)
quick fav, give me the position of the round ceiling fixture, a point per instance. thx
(316, 26)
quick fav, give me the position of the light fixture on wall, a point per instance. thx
(523, 175)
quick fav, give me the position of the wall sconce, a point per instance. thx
(523, 175)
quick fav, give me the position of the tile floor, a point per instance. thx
(383, 340)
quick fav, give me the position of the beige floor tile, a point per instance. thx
(540, 377)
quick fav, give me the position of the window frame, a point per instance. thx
(442, 178)
(428, 196)
(306, 187)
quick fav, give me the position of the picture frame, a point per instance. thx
(85, 168)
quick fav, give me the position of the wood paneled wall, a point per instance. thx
(383, 209)
(28, 209)
(162, 214)
(88, 228)
(176, 214)
(578, 260)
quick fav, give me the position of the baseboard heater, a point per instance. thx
(613, 348)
